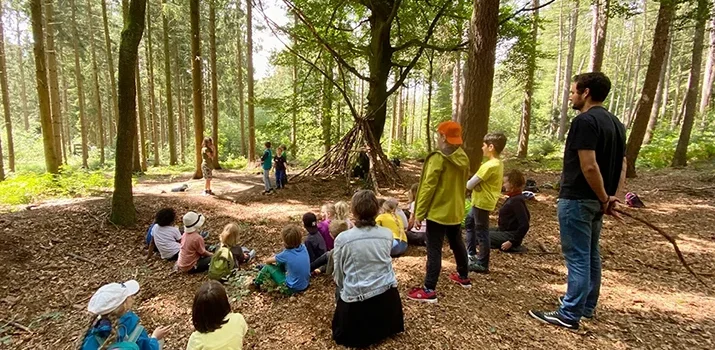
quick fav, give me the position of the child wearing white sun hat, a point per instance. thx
(114, 325)
(193, 256)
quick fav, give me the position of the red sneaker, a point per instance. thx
(421, 294)
(464, 282)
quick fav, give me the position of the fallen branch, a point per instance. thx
(670, 239)
(19, 326)
(79, 257)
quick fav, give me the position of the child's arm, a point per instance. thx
(474, 183)
(428, 185)
(150, 251)
(271, 260)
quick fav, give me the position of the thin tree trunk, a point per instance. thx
(395, 111)
(658, 101)
(573, 25)
(557, 81)
(169, 101)
(43, 93)
(639, 53)
(629, 75)
(251, 97)
(294, 121)
(643, 109)
(110, 70)
(23, 89)
(675, 118)
(479, 78)
(413, 117)
(616, 77)
(142, 166)
(67, 137)
(95, 77)
(179, 101)
(155, 137)
(196, 82)
(709, 73)
(5, 102)
(598, 33)
(326, 113)
(54, 84)
(668, 72)
(525, 126)
(680, 157)
(241, 102)
(80, 85)
(430, 78)
(214, 81)
(456, 86)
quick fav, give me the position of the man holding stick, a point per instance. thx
(593, 173)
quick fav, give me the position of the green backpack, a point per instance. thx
(222, 264)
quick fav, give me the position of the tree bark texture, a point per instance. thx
(573, 25)
(598, 33)
(525, 127)
(214, 81)
(169, 100)
(123, 211)
(23, 88)
(142, 149)
(43, 92)
(479, 79)
(249, 73)
(239, 77)
(659, 95)
(155, 137)
(681, 150)
(327, 108)
(630, 103)
(196, 83)
(554, 112)
(645, 103)
(380, 63)
(80, 84)
(55, 109)
(709, 75)
(5, 101)
(97, 93)
(179, 103)
(110, 72)
(456, 87)
(294, 107)
(430, 78)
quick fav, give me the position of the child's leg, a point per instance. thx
(497, 238)
(435, 239)
(454, 235)
(471, 239)
(398, 247)
(272, 272)
(482, 233)
(278, 178)
(202, 265)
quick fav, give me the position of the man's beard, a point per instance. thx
(577, 105)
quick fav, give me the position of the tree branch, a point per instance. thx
(418, 43)
(525, 9)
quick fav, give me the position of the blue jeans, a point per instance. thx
(477, 226)
(398, 247)
(267, 179)
(580, 224)
(281, 178)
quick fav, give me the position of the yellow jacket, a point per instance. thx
(441, 194)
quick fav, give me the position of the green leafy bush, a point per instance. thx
(28, 187)
(659, 152)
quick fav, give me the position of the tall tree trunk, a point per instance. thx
(639, 53)
(123, 212)
(67, 147)
(525, 126)
(23, 89)
(110, 70)
(54, 83)
(456, 86)
(327, 110)
(479, 78)
(709, 69)
(598, 33)
(155, 137)
(573, 25)
(5, 102)
(558, 86)
(660, 96)
(294, 121)
(251, 97)
(196, 82)
(43, 93)
(169, 100)
(629, 75)
(616, 76)
(380, 64)
(645, 103)
(430, 79)
(214, 81)
(678, 83)
(140, 162)
(680, 157)
(241, 102)
(179, 101)
(80, 84)
(97, 94)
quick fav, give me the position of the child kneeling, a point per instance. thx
(514, 216)
(289, 269)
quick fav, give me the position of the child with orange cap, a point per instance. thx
(440, 201)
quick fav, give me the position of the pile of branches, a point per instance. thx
(341, 158)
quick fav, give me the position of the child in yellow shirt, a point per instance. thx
(486, 189)
(389, 220)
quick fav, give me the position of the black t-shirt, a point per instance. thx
(280, 162)
(599, 130)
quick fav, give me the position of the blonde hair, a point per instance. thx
(113, 318)
(389, 206)
(328, 208)
(412, 195)
(337, 227)
(342, 210)
(229, 235)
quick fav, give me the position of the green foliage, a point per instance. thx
(659, 152)
(234, 162)
(28, 187)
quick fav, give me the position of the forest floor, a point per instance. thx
(54, 255)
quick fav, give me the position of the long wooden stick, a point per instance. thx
(669, 238)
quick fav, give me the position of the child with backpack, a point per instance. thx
(113, 325)
(389, 220)
(289, 269)
(229, 255)
(193, 256)
(163, 236)
(217, 328)
(486, 187)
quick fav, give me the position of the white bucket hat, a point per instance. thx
(111, 296)
(193, 221)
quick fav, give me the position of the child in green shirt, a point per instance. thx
(486, 189)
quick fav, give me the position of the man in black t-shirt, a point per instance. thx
(593, 173)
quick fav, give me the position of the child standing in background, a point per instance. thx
(389, 220)
(327, 213)
(486, 189)
(289, 269)
(314, 242)
(280, 165)
(207, 156)
(267, 164)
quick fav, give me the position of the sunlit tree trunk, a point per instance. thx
(214, 81)
(95, 78)
(558, 85)
(110, 72)
(456, 86)
(5, 102)
(294, 122)
(43, 92)
(709, 75)
(169, 100)
(196, 82)
(525, 126)
(639, 53)
(80, 84)
(251, 97)
(598, 33)
(573, 26)
(67, 137)
(55, 109)
(659, 94)
(179, 101)
(23, 88)
(430, 79)
(327, 108)
(156, 142)
(142, 155)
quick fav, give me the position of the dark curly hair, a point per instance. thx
(597, 84)
(165, 217)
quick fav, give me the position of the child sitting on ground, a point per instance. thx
(324, 264)
(314, 242)
(229, 255)
(193, 256)
(289, 269)
(389, 220)
(342, 212)
(415, 236)
(514, 216)
(113, 322)
(327, 213)
(163, 236)
(217, 328)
